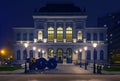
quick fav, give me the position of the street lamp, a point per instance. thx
(34, 48)
(39, 53)
(26, 45)
(80, 57)
(85, 48)
(94, 67)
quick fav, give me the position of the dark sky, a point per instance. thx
(19, 12)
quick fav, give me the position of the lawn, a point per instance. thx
(9, 68)
(112, 68)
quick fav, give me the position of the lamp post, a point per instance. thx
(26, 45)
(43, 52)
(85, 48)
(80, 57)
(39, 53)
(94, 67)
(34, 48)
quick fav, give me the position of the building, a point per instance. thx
(60, 32)
(112, 22)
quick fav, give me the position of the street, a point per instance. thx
(58, 77)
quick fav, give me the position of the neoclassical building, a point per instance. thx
(60, 32)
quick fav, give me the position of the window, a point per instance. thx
(25, 54)
(95, 36)
(18, 54)
(88, 37)
(101, 55)
(50, 34)
(59, 33)
(50, 53)
(79, 35)
(31, 53)
(88, 55)
(95, 55)
(40, 35)
(24, 36)
(31, 36)
(69, 34)
(18, 37)
(101, 37)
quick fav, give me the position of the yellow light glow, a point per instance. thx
(2, 51)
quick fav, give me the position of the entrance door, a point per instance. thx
(69, 55)
(60, 55)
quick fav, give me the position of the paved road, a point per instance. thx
(58, 77)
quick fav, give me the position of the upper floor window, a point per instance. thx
(88, 36)
(40, 35)
(101, 37)
(18, 36)
(50, 34)
(95, 36)
(79, 35)
(24, 36)
(69, 34)
(59, 33)
(31, 36)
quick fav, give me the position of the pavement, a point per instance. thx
(62, 69)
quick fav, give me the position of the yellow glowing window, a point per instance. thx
(69, 34)
(50, 34)
(59, 33)
(40, 35)
(59, 53)
(79, 35)
(51, 53)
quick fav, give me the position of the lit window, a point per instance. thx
(50, 53)
(79, 35)
(69, 34)
(40, 35)
(50, 34)
(60, 34)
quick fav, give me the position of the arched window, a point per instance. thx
(24, 54)
(40, 35)
(69, 34)
(95, 55)
(79, 35)
(31, 54)
(101, 55)
(50, 53)
(59, 33)
(68, 55)
(50, 34)
(18, 54)
(88, 55)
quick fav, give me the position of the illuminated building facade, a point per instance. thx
(60, 32)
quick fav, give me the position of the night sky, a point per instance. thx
(19, 13)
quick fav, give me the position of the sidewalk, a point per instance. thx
(62, 69)
(89, 68)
